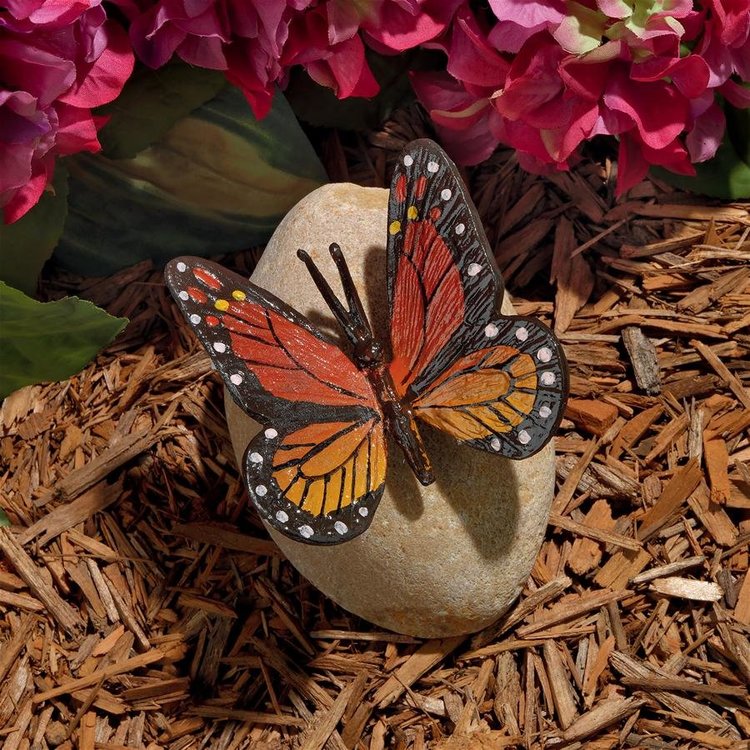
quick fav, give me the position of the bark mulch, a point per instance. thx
(142, 607)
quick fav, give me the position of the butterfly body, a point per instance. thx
(316, 471)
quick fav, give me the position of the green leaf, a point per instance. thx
(151, 103)
(218, 181)
(319, 106)
(727, 175)
(738, 130)
(4, 520)
(44, 341)
(27, 244)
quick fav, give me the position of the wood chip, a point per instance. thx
(643, 357)
(65, 616)
(686, 588)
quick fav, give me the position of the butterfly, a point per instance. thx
(316, 470)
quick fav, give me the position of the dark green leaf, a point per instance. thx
(319, 106)
(738, 130)
(218, 181)
(27, 244)
(49, 341)
(4, 520)
(151, 103)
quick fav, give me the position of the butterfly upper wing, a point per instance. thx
(441, 279)
(494, 381)
(323, 424)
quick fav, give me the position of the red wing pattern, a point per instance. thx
(498, 383)
(316, 471)
(441, 278)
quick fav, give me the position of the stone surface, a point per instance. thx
(439, 560)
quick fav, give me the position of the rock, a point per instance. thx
(440, 560)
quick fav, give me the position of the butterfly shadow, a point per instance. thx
(482, 490)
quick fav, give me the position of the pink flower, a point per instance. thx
(57, 62)
(341, 66)
(519, 20)
(399, 25)
(466, 124)
(193, 29)
(725, 45)
(244, 39)
(256, 43)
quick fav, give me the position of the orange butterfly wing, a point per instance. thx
(316, 470)
(496, 382)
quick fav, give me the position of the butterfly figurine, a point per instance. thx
(316, 470)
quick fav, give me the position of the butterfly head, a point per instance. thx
(368, 353)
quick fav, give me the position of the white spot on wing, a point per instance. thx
(181, 267)
(184, 296)
(256, 458)
(195, 319)
(341, 527)
(432, 166)
(364, 512)
(544, 411)
(524, 438)
(305, 531)
(522, 334)
(495, 444)
(473, 269)
(282, 516)
(548, 378)
(261, 490)
(446, 194)
(491, 330)
(270, 433)
(544, 354)
(460, 228)
(220, 347)
(408, 160)
(236, 378)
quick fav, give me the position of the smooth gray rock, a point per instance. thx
(439, 560)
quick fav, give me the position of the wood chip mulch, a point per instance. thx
(141, 607)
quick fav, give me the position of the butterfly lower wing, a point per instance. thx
(284, 372)
(442, 279)
(505, 394)
(318, 483)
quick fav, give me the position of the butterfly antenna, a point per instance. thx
(356, 308)
(342, 315)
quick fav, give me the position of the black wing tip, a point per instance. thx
(174, 268)
(430, 147)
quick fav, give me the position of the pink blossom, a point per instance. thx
(634, 159)
(341, 66)
(471, 58)
(256, 43)
(463, 121)
(519, 20)
(562, 73)
(399, 25)
(725, 44)
(55, 66)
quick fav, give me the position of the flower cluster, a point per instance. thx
(543, 77)
(57, 62)
(256, 43)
